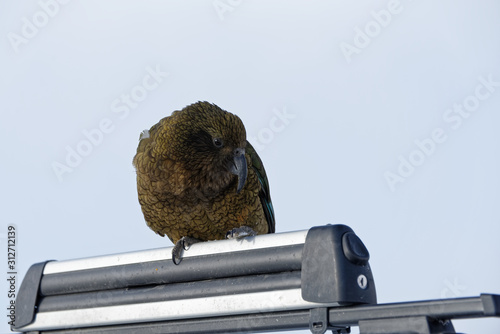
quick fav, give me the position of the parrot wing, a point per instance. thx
(264, 193)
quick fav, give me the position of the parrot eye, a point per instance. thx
(218, 142)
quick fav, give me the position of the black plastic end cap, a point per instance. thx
(491, 304)
(335, 267)
(28, 294)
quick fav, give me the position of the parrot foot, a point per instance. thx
(183, 244)
(240, 232)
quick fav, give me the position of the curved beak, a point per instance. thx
(239, 167)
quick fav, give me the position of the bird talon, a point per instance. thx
(240, 233)
(182, 244)
(176, 252)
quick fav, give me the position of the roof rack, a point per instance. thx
(318, 279)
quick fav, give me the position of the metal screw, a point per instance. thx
(362, 281)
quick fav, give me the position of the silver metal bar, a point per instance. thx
(198, 249)
(250, 303)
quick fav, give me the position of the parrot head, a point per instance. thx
(209, 142)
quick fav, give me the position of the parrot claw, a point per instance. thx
(240, 232)
(182, 244)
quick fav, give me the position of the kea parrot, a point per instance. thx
(199, 179)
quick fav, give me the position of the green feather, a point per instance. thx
(264, 193)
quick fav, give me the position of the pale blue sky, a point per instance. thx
(334, 95)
